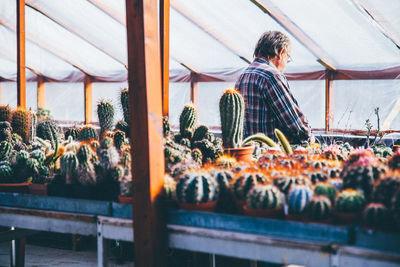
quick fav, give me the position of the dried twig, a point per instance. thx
(378, 125)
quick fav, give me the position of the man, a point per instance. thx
(269, 102)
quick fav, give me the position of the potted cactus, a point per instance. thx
(375, 216)
(298, 198)
(264, 201)
(319, 209)
(349, 205)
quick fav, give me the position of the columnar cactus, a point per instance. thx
(245, 182)
(5, 149)
(319, 208)
(187, 120)
(125, 104)
(298, 198)
(87, 133)
(5, 113)
(123, 126)
(119, 139)
(21, 123)
(48, 130)
(105, 112)
(385, 188)
(284, 182)
(85, 174)
(349, 200)
(231, 110)
(34, 123)
(375, 215)
(73, 131)
(197, 155)
(69, 165)
(200, 133)
(84, 154)
(325, 189)
(265, 197)
(196, 187)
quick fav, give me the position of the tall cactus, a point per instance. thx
(105, 112)
(5, 113)
(125, 104)
(34, 122)
(187, 119)
(21, 123)
(48, 130)
(69, 166)
(231, 109)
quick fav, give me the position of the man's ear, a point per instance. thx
(280, 55)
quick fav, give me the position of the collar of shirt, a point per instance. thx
(263, 60)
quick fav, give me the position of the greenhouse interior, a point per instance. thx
(200, 133)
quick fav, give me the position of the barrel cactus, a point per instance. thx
(285, 182)
(87, 133)
(224, 179)
(375, 215)
(38, 155)
(200, 133)
(105, 112)
(69, 164)
(319, 208)
(21, 123)
(231, 110)
(196, 187)
(5, 113)
(5, 149)
(394, 161)
(5, 131)
(298, 198)
(386, 188)
(124, 96)
(349, 200)
(265, 197)
(123, 126)
(245, 182)
(48, 130)
(169, 189)
(325, 189)
(73, 131)
(187, 119)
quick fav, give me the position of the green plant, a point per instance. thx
(298, 198)
(72, 131)
(208, 149)
(200, 133)
(284, 182)
(84, 154)
(48, 130)
(106, 142)
(85, 174)
(69, 165)
(197, 155)
(187, 121)
(224, 179)
(5, 149)
(5, 131)
(394, 161)
(117, 172)
(34, 123)
(375, 215)
(265, 197)
(169, 189)
(196, 187)
(43, 114)
(6, 172)
(349, 200)
(122, 126)
(105, 112)
(125, 104)
(325, 189)
(5, 113)
(21, 123)
(319, 208)
(166, 126)
(283, 141)
(87, 133)
(42, 174)
(226, 161)
(386, 188)
(245, 182)
(185, 142)
(38, 155)
(260, 138)
(119, 139)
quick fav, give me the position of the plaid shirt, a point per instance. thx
(270, 104)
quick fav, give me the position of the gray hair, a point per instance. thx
(271, 43)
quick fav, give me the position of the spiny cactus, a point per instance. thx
(5, 131)
(38, 155)
(245, 182)
(117, 173)
(84, 154)
(169, 189)
(21, 123)
(260, 138)
(316, 176)
(298, 198)
(41, 176)
(284, 182)
(22, 157)
(106, 142)
(72, 131)
(87, 133)
(265, 197)
(166, 126)
(105, 112)
(187, 119)
(196, 187)
(336, 182)
(224, 179)
(200, 133)
(197, 155)
(5, 113)
(283, 141)
(125, 104)
(69, 164)
(231, 110)
(126, 160)
(108, 158)
(394, 161)
(185, 142)
(375, 215)
(122, 126)
(226, 161)
(385, 189)
(5, 149)
(6, 172)
(210, 152)
(325, 189)
(319, 208)
(86, 174)
(48, 130)
(119, 139)
(34, 123)
(349, 200)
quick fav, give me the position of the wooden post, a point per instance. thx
(145, 99)
(21, 77)
(41, 92)
(1, 98)
(328, 100)
(194, 89)
(88, 99)
(164, 41)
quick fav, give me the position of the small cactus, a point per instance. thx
(298, 198)
(200, 133)
(375, 215)
(386, 188)
(86, 174)
(245, 182)
(125, 104)
(87, 133)
(5, 113)
(169, 189)
(224, 179)
(349, 200)
(225, 161)
(5, 149)
(69, 165)
(119, 139)
(42, 174)
(21, 123)
(48, 130)
(285, 182)
(166, 126)
(319, 208)
(84, 154)
(196, 187)
(123, 126)
(73, 131)
(105, 112)
(187, 119)
(106, 142)
(6, 172)
(394, 161)
(325, 189)
(265, 197)
(185, 142)
(197, 155)
(38, 155)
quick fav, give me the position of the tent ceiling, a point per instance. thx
(66, 39)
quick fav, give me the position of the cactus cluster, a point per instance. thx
(21, 123)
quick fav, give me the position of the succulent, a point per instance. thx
(375, 215)
(265, 197)
(325, 189)
(208, 149)
(34, 123)
(42, 175)
(84, 154)
(5, 133)
(336, 182)
(123, 126)
(6, 172)
(319, 208)
(166, 126)
(43, 114)
(200, 133)
(316, 176)
(180, 168)
(245, 182)
(224, 179)
(38, 155)
(86, 174)
(285, 182)
(225, 161)
(73, 131)
(5, 149)
(231, 110)
(21, 123)
(298, 198)
(126, 160)
(5, 113)
(125, 104)
(69, 165)
(169, 189)
(108, 158)
(106, 142)
(87, 133)
(48, 130)
(283, 141)
(117, 173)
(119, 139)
(185, 142)
(349, 200)
(197, 155)
(196, 187)
(105, 112)
(386, 188)
(187, 120)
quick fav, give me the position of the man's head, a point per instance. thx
(274, 46)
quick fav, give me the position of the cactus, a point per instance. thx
(224, 179)
(325, 189)
(108, 158)
(73, 131)
(197, 155)
(5, 131)
(283, 141)
(187, 119)
(245, 182)
(231, 110)
(87, 133)
(316, 176)
(265, 197)
(34, 122)
(207, 148)
(375, 215)
(84, 154)
(5, 149)
(105, 112)
(169, 189)
(319, 208)
(394, 161)
(106, 142)
(119, 139)
(200, 133)
(122, 126)
(86, 174)
(226, 161)
(126, 160)
(5, 113)
(42, 174)
(6, 172)
(125, 105)
(349, 200)
(166, 126)
(385, 189)
(69, 165)
(336, 182)
(285, 182)
(48, 130)
(185, 142)
(196, 187)
(21, 123)
(38, 155)
(260, 138)
(43, 114)
(22, 157)
(298, 198)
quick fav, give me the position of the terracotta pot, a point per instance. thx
(264, 213)
(15, 188)
(38, 189)
(241, 153)
(125, 200)
(205, 206)
(348, 217)
(240, 203)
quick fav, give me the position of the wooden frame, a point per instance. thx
(328, 101)
(88, 93)
(41, 92)
(194, 89)
(164, 45)
(21, 75)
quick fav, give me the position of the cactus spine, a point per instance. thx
(231, 109)
(196, 187)
(283, 141)
(105, 112)
(21, 123)
(319, 208)
(349, 200)
(298, 198)
(264, 197)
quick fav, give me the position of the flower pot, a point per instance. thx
(241, 153)
(348, 217)
(38, 189)
(125, 200)
(264, 213)
(15, 187)
(205, 206)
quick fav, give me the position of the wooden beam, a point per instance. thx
(41, 92)
(21, 75)
(88, 94)
(328, 100)
(145, 89)
(164, 38)
(194, 89)
(269, 8)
